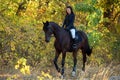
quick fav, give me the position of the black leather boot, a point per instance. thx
(74, 43)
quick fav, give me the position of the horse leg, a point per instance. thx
(84, 60)
(63, 63)
(55, 60)
(75, 62)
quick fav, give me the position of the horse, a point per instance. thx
(63, 44)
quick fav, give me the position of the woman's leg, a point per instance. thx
(72, 33)
(73, 37)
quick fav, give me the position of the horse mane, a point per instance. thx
(55, 25)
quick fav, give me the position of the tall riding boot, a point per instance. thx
(74, 43)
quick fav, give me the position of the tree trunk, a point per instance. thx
(108, 13)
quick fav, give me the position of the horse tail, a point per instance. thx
(86, 45)
(88, 50)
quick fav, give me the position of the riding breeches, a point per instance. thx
(72, 31)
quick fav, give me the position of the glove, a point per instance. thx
(67, 28)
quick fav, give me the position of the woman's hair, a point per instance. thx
(70, 9)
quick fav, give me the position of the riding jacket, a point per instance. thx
(69, 21)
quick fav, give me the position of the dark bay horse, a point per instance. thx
(63, 44)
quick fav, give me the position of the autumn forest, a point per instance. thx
(24, 54)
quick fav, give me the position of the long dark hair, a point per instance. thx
(70, 9)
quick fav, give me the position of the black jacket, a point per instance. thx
(69, 21)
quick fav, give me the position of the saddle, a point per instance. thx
(78, 37)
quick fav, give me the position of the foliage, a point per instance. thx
(12, 77)
(98, 33)
(94, 12)
(22, 37)
(22, 65)
(44, 76)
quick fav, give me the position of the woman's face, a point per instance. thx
(68, 10)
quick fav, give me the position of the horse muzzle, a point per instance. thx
(47, 39)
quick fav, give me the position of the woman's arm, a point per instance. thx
(64, 23)
(71, 20)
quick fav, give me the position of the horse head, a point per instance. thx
(47, 28)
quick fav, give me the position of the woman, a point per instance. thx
(69, 23)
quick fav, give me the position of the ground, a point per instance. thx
(93, 72)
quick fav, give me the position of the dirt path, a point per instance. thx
(91, 73)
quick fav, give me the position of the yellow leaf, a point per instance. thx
(22, 70)
(12, 45)
(16, 66)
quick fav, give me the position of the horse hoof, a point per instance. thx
(62, 77)
(83, 72)
(83, 69)
(58, 70)
(58, 74)
(73, 73)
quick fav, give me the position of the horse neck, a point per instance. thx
(56, 30)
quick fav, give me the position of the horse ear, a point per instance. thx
(43, 23)
(47, 23)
